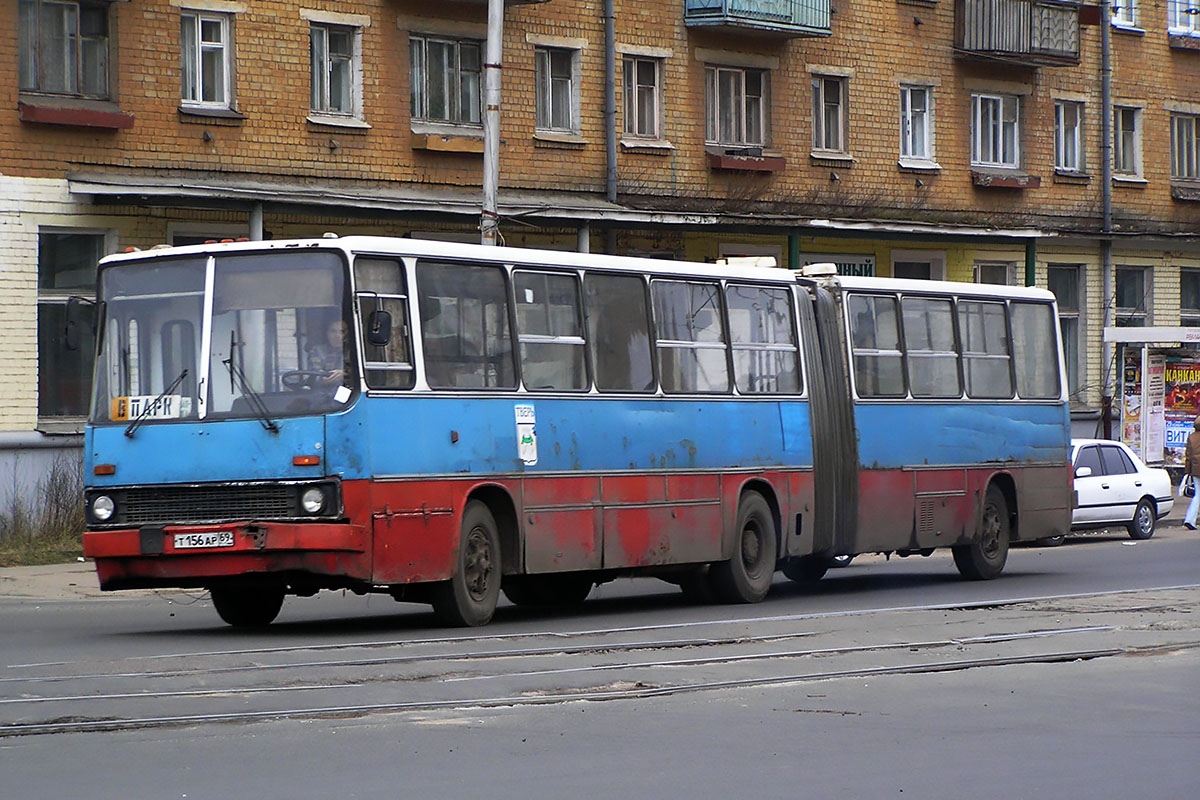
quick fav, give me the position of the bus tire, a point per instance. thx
(564, 589)
(984, 558)
(747, 576)
(1144, 518)
(469, 598)
(247, 606)
(805, 570)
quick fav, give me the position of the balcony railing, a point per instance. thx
(790, 18)
(1036, 32)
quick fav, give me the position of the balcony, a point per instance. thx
(784, 18)
(1030, 32)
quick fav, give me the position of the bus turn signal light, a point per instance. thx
(305, 461)
(105, 469)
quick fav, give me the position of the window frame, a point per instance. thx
(1070, 315)
(1069, 150)
(1183, 17)
(1131, 316)
(633, 124)
(694, 345)
(32, 51)
(546, 80)
(1125, 14)
(821, 104)
(792, 347)
(907, 137)
(192, 92)
(321, 106)
(1003, 132)
(970, 356)
(418, 81)
(577, 340)
(1189, 316)
(1120, 150)
(714, 108)
(1185, 166)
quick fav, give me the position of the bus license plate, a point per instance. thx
(196, 541)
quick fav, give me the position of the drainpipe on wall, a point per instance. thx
(1031, 262)
(489, 218)
(1108, 369)
(610, 111)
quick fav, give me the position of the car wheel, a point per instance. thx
(1142, 524)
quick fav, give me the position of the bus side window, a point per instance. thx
(983, 331)
(875, 341)
(763, 336)
(1036, 350)
(930, 347)
(380, 287)
(691, 337)
(549, 330)
(618, 332)
(464, 326)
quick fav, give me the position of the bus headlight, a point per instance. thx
(313, 500)
(103, 507)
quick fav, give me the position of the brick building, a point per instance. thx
(957, 139)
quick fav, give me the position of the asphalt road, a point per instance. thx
(1076, 674)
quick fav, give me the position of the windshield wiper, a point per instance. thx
(256, 403)
(137, 422)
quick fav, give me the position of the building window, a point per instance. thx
(829, 114)
(1068, 136)
(642, 97)
(735, 101)
(1127, 141)
(916, 128)
(66, 268)
(445, 79)
(557, 90)
(207, 47)
(1183, 17)
(1185, 129)
(1124, 13)
(64, 48)
(995, 274)
(1064, 282)
(995, 140)
(1189, 297)
(336, 70)
(1131, 300)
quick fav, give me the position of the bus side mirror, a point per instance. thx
(379, 328)
(1083, 472)
(79, 312)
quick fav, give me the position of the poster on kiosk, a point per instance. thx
(1160, 399)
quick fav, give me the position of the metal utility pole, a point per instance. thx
(1108, 368)
(489, 220)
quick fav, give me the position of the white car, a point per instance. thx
(1114, 487)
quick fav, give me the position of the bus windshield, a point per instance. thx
(222, 337)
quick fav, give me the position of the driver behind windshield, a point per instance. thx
(328, 357)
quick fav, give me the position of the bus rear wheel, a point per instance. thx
(985, 556)
(247, 606)
(469, 597)
(746, 578)
(566, 589)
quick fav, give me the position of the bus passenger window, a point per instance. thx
(691, 337)
(549, 330)
(464, 326)
(930, 347)
(875, 341)
(618, 332)
(983, 331)
(1036, 349)
(764, 339)
(380, 287)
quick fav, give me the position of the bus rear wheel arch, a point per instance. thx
(984, 556)
(746, 577)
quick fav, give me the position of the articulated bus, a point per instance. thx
(444, 422)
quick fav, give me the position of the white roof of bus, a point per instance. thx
(383, 245)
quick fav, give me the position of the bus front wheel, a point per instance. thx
(985, 556)
(247, 606)
(746, 578)
(469, 597)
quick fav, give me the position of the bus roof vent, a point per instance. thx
(821, 270)
(747, 261)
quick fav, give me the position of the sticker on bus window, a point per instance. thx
(151, 406)
(526, 435)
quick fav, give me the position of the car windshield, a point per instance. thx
(267, 337)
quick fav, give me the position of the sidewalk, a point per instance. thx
(70, 581)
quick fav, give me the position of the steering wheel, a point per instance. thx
(300, 380)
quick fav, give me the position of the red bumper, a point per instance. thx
(132, 558)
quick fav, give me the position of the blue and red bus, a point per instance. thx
(444, 422)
